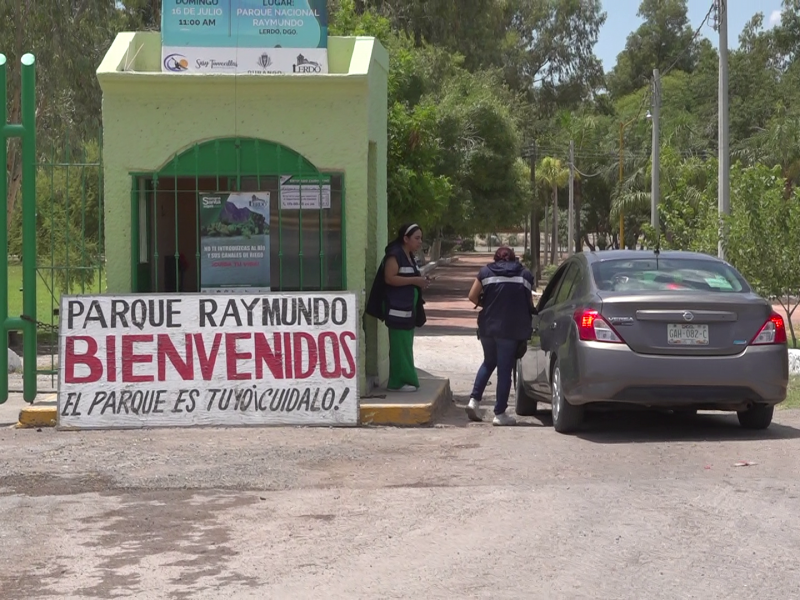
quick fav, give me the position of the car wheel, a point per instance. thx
(566, 417)
(758, 416)
(525, 404)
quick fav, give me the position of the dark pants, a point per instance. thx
(498, 354)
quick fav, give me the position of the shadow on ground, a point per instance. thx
(637, 426)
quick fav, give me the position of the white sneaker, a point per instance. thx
(406, 388)
(503, 420)
(472, 410)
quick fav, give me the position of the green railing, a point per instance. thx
(306, 242)
(26, 321)
(70, 235)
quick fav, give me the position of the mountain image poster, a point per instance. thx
(234, 242)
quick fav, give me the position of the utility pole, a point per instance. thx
(724, 191)
(534, 229)
(621, 167)
(656, 166)
(571, 210)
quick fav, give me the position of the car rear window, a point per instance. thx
(667, 274)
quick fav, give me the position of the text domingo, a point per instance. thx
(141, 403)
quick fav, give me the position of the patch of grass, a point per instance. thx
(45, 301)
(793, 394)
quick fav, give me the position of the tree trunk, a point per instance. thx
(546, 254)
(436, 249)
(14, 169)
(554, 235)
(536, 243)
(588, 243)
(525, 240)
(577, 216)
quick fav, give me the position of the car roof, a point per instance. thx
(604, 255)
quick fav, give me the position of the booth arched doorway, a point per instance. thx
(305, 225)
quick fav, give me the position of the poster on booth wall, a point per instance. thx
(234, 242)
(308, 193)
(169, 360)
(252, 37)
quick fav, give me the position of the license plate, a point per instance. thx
(687, 335)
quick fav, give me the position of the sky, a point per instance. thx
(622, 20)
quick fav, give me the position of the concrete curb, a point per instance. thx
(431, 266)
(408, 415)
(37, 416)
(794, 361)
(386, 414)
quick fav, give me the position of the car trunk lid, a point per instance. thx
(686, 323)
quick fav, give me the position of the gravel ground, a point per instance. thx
(637, 506)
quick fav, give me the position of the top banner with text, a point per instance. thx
(169, 360)
(251, 37)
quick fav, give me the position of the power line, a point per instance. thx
(693, 40)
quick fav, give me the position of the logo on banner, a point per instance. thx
(264, 61)
(303, 65)
(177, 63)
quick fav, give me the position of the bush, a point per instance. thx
(468, 245)
(513, 239)
(548, 271)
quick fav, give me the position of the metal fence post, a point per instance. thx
(3, 238)
(29, 226)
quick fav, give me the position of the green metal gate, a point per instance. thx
(23, 317)
(70, 238)
(307, 241)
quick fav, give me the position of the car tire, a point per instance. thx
(525, 405)
(758, 416)
(566, 417)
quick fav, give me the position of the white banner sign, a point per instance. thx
(175, 361)
(245, 61)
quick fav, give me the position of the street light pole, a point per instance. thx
(724, 191)
(656, 166)
(621, 168)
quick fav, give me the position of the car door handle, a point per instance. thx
(553, 325)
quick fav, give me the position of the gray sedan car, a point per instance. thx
(674, 330)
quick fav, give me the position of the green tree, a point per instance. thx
(69, 40)
(663, 40)
(762, 240)
(552, 173)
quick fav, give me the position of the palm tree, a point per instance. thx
(552, 173)
(582, 130)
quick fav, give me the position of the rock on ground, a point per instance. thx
(14, 362)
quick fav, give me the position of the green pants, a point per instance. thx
(401, 359)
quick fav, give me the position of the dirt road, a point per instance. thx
(638, 506)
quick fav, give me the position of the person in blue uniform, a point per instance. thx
(396, 299)
(503, 291)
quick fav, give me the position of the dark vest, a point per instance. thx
(400, 300)
(396, 305)
(506, 302)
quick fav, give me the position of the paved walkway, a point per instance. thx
(447, 346)
(446, 305)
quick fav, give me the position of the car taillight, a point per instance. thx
(773, 332)
(594, 328)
